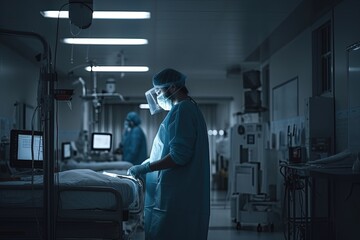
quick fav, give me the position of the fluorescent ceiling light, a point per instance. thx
(106, 41)
(100, 14)
(117, 69)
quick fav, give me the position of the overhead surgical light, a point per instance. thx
(106, 41)
(100, 14)
(117, 69)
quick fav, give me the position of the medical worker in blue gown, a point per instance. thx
(177, 199)
(133, 142)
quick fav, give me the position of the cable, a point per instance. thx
(294, 189)
(286, 220)
(40, 151)
(56, 117)
(57, 182)
(57, 34)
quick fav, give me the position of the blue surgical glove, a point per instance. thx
(138, 170)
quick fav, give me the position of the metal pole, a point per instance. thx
(49, 193)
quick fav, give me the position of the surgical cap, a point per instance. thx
(168, 77)
(133, 117)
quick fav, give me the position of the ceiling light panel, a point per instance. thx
(106, 41)
(117, 69)
(101, 14)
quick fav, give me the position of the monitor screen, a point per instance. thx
(252, 100)
(251, 79)
(26, 149)
(101, 141)
(66, 150)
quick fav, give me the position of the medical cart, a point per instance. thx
(248, 206)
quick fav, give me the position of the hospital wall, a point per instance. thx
(290, 62)
(346, 17)
(18, 79)
(295, 60)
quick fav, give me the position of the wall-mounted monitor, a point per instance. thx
(26, 149)
(66, 150)
(101, 141)
(251, 79)
(252, 100)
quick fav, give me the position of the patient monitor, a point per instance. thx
(26, 149)
(66, 150)
(101, 141)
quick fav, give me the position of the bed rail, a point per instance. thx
(26, 222)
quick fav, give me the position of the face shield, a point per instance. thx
(157, 100)
(151, 98)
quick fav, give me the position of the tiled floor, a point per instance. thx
(221, 227)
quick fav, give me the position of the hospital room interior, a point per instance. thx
(276, 82)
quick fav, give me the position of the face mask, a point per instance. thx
(164, 102)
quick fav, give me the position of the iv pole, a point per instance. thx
(47, 78)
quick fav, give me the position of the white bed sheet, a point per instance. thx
(128, 189)
(96, 166)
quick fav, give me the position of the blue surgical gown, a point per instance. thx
(177, 200)
(134, 146)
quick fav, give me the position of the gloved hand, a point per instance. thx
(138, 170)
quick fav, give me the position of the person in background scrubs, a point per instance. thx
(133, 144)
(177, 199)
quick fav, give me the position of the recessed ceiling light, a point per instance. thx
(117, 68)
(106, 41)
(100, 14)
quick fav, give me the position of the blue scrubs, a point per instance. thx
(177, 200)
(134, 146)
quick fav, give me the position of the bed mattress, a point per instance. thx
(27, 192)
(96, 166)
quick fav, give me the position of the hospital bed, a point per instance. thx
(88, 205)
